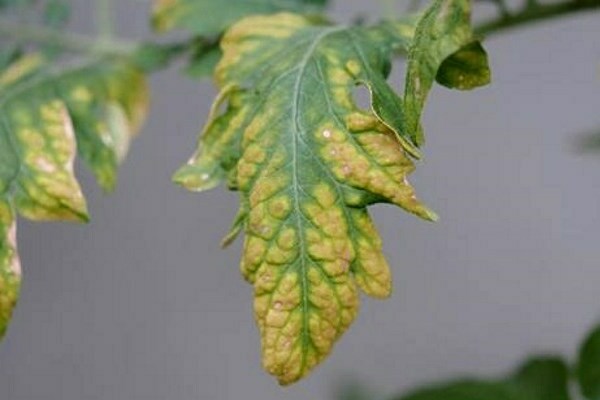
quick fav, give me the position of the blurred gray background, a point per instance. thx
(142, 304)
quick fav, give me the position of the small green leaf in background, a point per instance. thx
(47, 117)
(588, 367)
(466, 390)
(8, 55)
(540, 378)
(543, 378)
(444, 47)
(56, 13)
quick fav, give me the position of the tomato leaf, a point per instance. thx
(443, 48)
(46, 117)
(588, 368)
(308, 161)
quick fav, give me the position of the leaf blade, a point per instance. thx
(307, 162)
(443, 46)
(588, 365)
(41, 126)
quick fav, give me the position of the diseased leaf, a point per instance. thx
(443, 48)
(466, 69)
(588, 367)
(10, 266)
(307, 161)
(45, 119)
(210, 18)
(20, 69)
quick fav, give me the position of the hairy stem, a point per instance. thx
(536, 12)
(69, 41)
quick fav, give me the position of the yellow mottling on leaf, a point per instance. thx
(308, 161)
(81, 94)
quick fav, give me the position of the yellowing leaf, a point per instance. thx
(45, 119)
(212, 17)
(10, 266)
(307, 161)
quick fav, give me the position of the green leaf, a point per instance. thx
(210, 18)
(540, 378)
(93, 109)
(307, 161)
(15, 3)
(543, 378)
(56, 13)
(467, 390)
(588, 368)
(8, 55)
(150, 57)
(203, 62)
(445, 48)
(466, 69)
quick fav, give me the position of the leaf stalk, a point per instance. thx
(69, 41)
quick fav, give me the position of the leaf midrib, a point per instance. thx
(299, 131)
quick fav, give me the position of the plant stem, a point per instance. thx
(104, 19)
(69, 41)
(536, 12)
(388, 8)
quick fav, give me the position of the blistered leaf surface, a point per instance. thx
(307, 161)
(46, 118)
(212, 17)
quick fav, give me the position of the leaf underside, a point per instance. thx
(308, 161)
(46, 117)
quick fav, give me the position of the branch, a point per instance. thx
(535, 12)
(69, 41)
(104, 21)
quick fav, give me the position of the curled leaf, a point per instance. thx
(443, 48)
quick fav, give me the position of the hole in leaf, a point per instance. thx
(362, 97)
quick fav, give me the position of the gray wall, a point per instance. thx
(142, 304)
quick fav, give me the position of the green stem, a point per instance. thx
(536, 12)
(104, 19)
(69, 41)
(388, 8)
